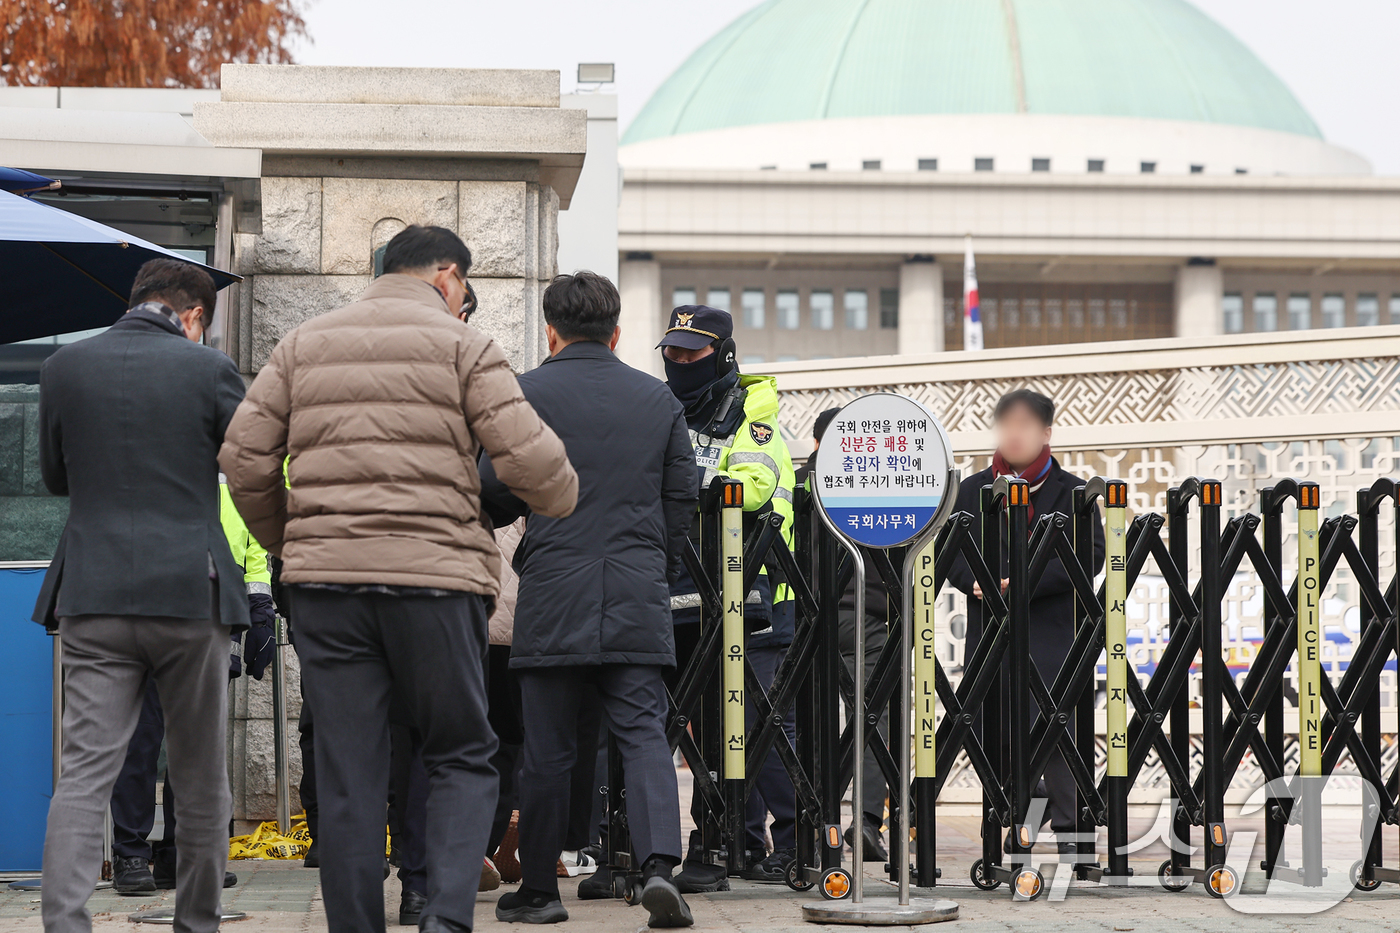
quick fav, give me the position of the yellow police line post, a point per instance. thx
(731, 555)
(1116, 647)
(1310, 682)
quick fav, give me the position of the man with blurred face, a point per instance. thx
(1022, 425)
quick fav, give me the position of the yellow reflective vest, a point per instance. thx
(756, 454)
(247, 552)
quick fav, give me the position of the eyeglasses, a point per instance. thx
(468, 300)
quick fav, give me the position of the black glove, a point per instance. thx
(260, 641)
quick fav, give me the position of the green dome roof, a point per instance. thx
(790, 60)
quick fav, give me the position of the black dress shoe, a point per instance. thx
(526, 906)
(132, 876)
(411, 908)
(163, 872)
(597, 886)
(874, 849)
(436, 924)
(665, 906)
(312, 858)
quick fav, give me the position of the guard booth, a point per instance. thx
(28, 726)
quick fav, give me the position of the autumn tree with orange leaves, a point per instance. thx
(140, 43)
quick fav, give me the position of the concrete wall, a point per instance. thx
(353, 155)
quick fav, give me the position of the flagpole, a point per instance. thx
(972, 312)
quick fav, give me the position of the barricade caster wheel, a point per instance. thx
(836, 884)
(1222, 881)
(983, 881)
(633, 897)
(1361, 884)
(1027, 884)
(796, 877)
(1170, 882)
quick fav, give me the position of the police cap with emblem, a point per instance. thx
(694, 327)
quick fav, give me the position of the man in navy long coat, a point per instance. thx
(1023, 422)
(594, 606)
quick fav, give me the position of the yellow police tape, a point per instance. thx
(267, 842)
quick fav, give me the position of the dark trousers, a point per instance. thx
(306, 741)
(425, 654)
(634, 699)
(134, 794)
(503, 690)
(1049, 647)
(772, 789)
(873, 786)
(410, 807)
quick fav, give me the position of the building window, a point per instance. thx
(1265, 312)
(1241, 171)
(751, 359)
(870, 165)
(928, 165)
(889, 309)
(787, 357)
(1368, 310)
(1334, 311)
(857, 310)
(718, 298)
(682, 296)
(1232, 310)
(1148, 168)
(1096, 165)
(1299, 311)
(1395, 309)
(818, 166)
(1198, 169)
(786, 305)
(823, 309)
(1040, 165)
(983, 165)
(753, 308)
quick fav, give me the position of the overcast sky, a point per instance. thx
(1338, 56)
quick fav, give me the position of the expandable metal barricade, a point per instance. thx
(1009, 735)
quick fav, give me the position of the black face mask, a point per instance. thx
(688, 381)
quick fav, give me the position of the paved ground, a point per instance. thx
(280, 897)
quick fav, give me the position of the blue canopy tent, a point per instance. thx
(61, 273)
(18, 181)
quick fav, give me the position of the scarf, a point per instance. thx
(1035, 474)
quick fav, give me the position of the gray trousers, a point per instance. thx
(107, 661)
(873, 789)
(633, 697)
(360, 654)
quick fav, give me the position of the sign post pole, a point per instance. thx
(731, 555)
(884, 478)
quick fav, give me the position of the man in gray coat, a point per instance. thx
(142, 586)
(593, 605)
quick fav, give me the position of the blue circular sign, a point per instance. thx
(884, 471)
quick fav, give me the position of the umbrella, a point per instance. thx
(61, 273)
(18, 181)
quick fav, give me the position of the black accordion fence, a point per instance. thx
(1009, 735)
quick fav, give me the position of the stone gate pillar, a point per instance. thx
(350, 157)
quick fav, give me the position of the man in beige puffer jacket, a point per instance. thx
(380, 409)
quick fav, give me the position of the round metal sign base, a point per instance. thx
(167, 915)
(881, 912)
(36, 884)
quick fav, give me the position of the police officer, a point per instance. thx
(139, 868)
(733, 421)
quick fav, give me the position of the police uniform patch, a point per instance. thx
(760, 432)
